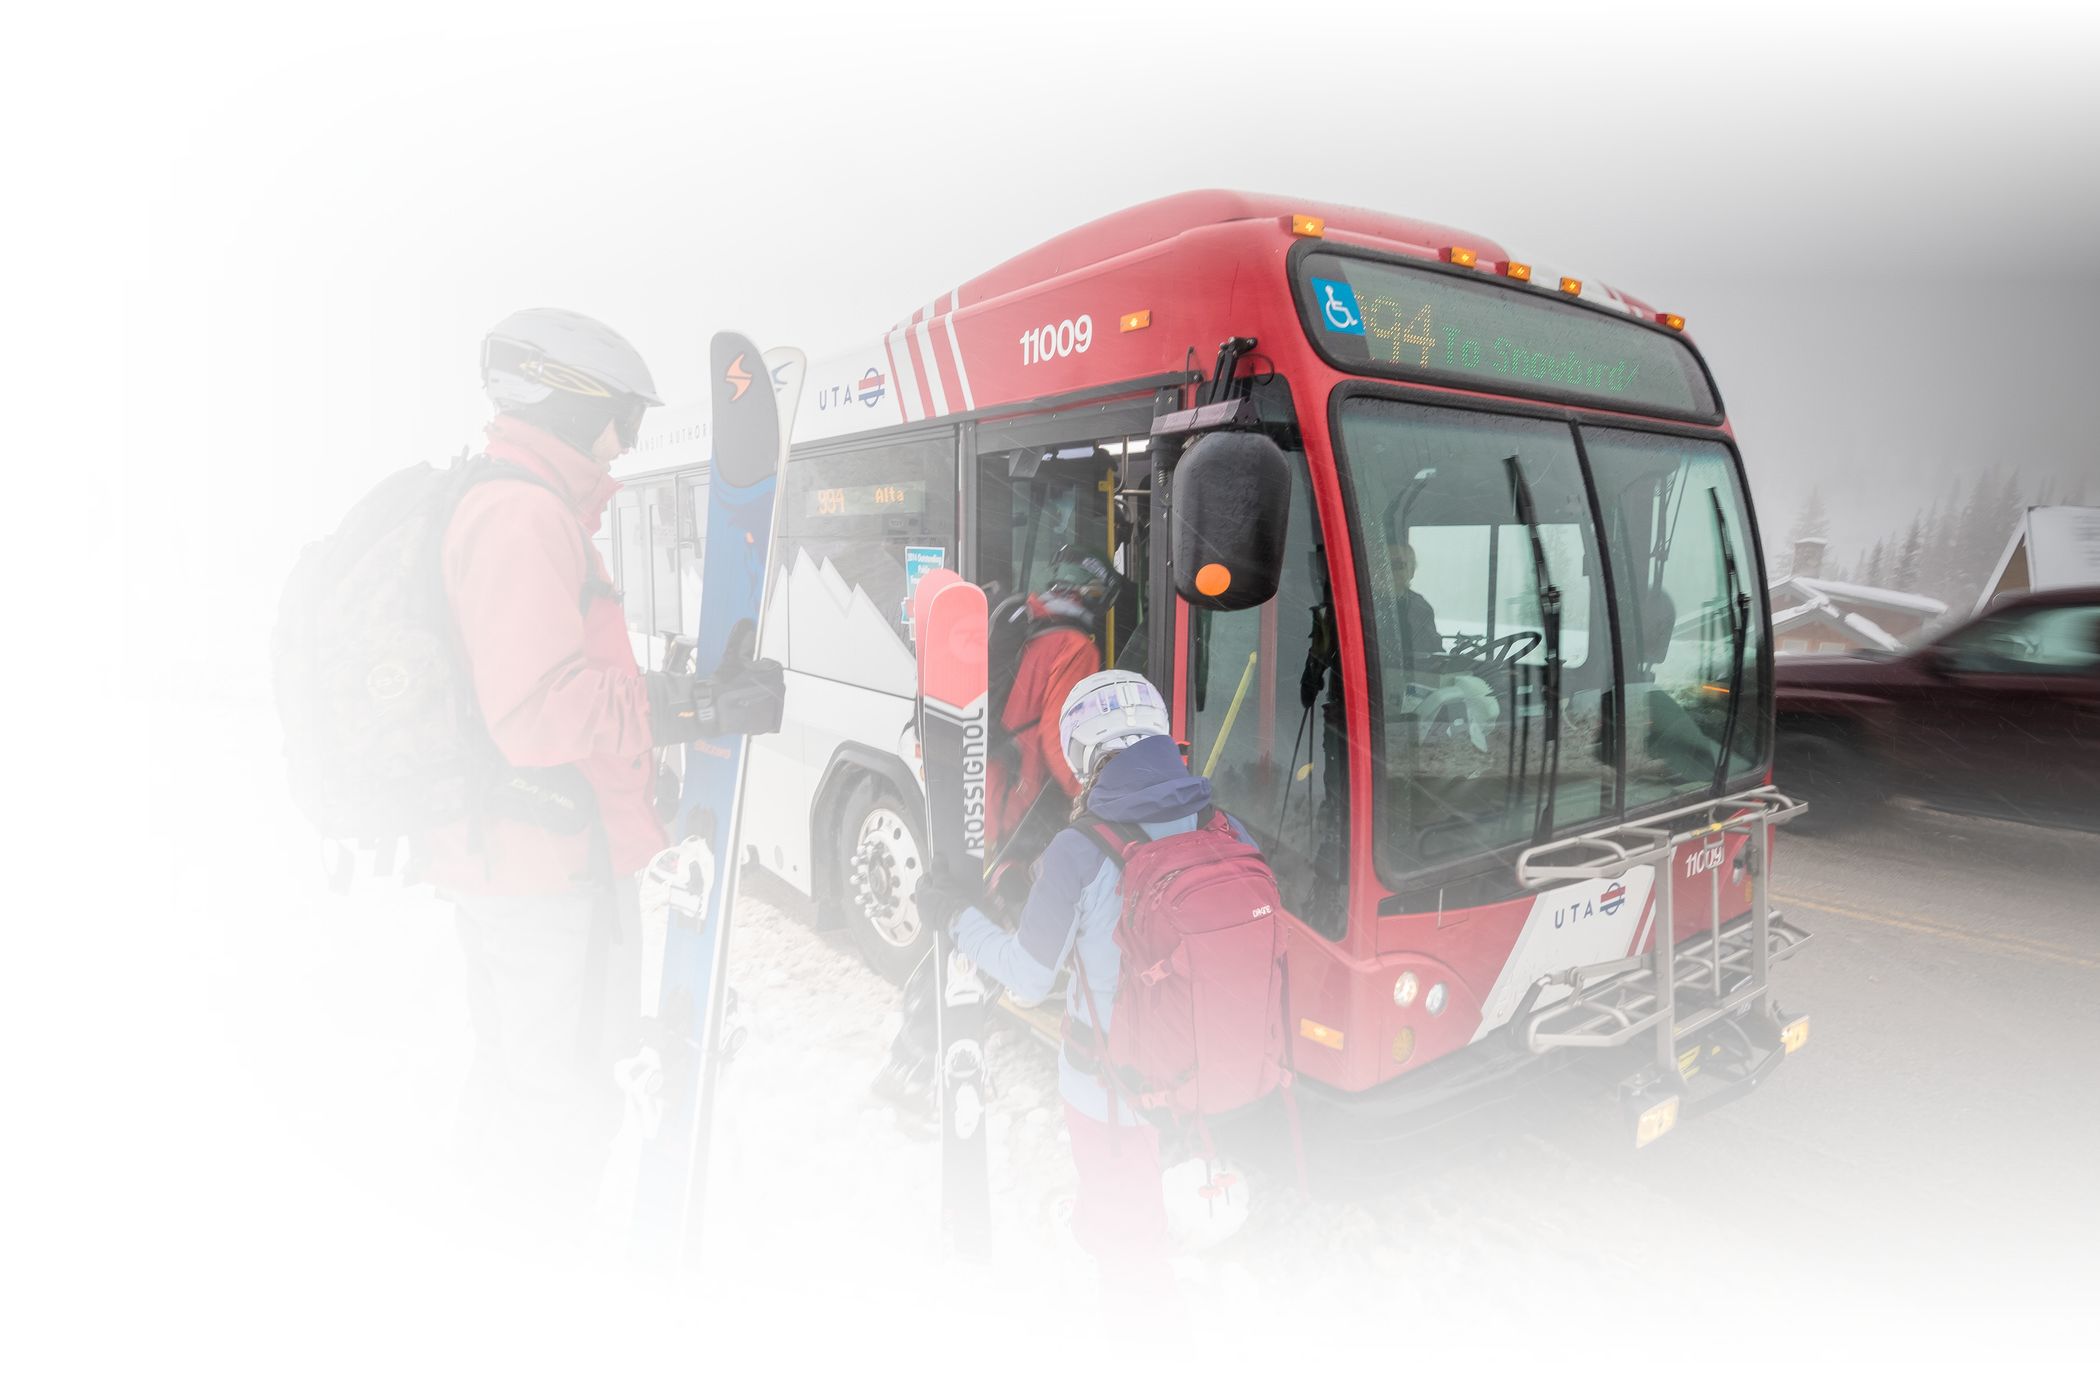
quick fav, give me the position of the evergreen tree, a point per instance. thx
(1878, 566)
(1905, 578)
(1813, 523)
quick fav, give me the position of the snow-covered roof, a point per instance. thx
(1866, 628)
(1818, 607)
(2051, 547)
(1872, 597)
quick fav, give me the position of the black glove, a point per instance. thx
(741, 697)
(747, 696)
(941, 896)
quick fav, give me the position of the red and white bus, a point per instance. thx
(1507, 715)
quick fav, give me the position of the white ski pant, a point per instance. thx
(553, 983)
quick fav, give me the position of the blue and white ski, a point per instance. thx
(754, 399)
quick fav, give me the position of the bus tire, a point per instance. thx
(882, 846)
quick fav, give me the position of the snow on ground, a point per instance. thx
(281, 1125)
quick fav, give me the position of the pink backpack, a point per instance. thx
(1201, 1003)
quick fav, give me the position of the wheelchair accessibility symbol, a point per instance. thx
(1338, 306)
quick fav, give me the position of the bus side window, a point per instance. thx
(692, 547)
(632, 545)
(857, 528)
(660, 501)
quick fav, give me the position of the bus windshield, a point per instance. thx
(1501, 673)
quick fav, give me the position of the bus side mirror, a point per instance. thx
(1231, 509)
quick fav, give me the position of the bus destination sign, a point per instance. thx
(866, 498)
(1411, 323)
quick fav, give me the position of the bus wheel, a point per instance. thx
(884, 856)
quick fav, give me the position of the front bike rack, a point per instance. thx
(1672, 991)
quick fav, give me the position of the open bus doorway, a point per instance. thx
(1092, 493)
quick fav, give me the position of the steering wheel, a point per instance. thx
(1501, 651)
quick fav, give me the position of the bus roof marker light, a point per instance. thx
(1516, 271)
(1308, 226)
(1460, 257)
(1571, 285)
(1671, 319)
(1136, 320)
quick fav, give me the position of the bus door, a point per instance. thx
(1041, 486)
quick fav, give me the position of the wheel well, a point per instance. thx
(852, 765)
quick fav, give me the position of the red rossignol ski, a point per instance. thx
(949, 625)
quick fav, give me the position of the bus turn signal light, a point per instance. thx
(1655, 1120)
(1794, 1034)
(1571, 285)
(1136, 320)
(1308, 225)
(1460, 257)
(1671, 319)
(1320, 1035)
(1516, 271)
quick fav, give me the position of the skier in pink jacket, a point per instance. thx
(547, 909)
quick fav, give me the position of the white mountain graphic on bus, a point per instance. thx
(818, 623)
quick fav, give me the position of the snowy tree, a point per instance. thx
(1877, 575)
(1812, 524)
(1909, 557)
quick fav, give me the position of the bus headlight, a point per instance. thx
(1434, 1002)
(1404, 990)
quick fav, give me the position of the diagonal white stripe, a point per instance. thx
(962, 373)
(933, 372)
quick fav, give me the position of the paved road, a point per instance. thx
(1940, 1134)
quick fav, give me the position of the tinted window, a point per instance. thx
(856, 528)
(632, 541)
(2045, 641)
(1266, 721)
(660, 503)
(1675, 516)
(1473, 689)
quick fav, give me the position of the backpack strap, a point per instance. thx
(1116, 840)
(481, 467)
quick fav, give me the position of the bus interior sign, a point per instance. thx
(1412, 323)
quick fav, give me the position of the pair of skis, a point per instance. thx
(754, 398)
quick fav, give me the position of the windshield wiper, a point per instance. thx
(1739, 626)
(1549, 626)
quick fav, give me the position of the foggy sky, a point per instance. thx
(1882, 235)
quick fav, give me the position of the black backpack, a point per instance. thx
(383, 738)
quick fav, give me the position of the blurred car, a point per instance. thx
(2000, 716)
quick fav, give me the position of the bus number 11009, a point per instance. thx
(1056, 342)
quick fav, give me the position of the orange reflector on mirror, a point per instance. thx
(1320, 1035)
(1213, 579)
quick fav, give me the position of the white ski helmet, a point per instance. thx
(1108, 710)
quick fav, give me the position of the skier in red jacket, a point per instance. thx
(1029, 784)
(547, 908)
